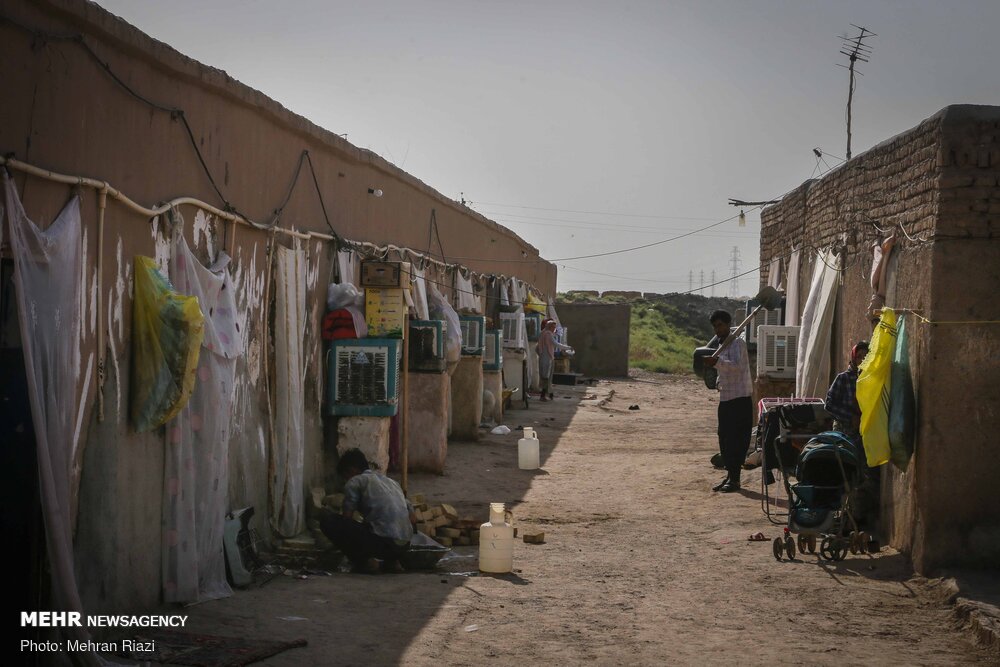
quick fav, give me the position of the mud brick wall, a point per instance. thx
(937, 188)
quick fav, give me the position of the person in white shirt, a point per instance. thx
(735, 401)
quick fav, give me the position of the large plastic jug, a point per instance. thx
(527, 453)
(496, 542)
(530, 433)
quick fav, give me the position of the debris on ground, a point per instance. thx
(534, 537)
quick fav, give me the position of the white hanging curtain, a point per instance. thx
(792, 290)
(196, 471)
(47, 265)
(812, 372)
(288, 445)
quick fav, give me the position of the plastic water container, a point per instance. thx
(527, 453)
(530, 433)
(496, 542)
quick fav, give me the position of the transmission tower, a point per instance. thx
(690, 281)
(855, 49)
(702, 290)
(711, 287)
(734, 266)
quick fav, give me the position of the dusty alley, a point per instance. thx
(642, 563)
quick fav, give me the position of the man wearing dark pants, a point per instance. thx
(735, 401)
(388, 517)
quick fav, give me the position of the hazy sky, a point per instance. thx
(594, 126)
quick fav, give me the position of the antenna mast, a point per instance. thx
(855, 49)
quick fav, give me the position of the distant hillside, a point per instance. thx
(665, 328)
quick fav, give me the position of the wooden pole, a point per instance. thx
(404, 425)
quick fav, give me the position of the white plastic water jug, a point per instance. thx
(496, 542)
(530, 433)
(527, 453)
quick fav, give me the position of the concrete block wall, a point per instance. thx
(937, 187)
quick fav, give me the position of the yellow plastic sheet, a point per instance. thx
(874, 385)
(167, 331)
(534, 304)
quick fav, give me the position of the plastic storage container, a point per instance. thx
(496, 542)
(527, 453)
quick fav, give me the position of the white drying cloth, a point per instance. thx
(812, 371)
(774, 273)
(348, 266)
(47, 269)
(420, 294)
(288, 446)
(465, 296)
(196, 470)
(792, 289)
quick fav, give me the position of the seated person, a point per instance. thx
(384, 534)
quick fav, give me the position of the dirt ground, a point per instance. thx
(642, 563)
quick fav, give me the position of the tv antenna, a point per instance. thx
(855, 49)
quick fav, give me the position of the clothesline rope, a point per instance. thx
(373, 250)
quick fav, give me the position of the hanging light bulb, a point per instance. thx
(743, 219)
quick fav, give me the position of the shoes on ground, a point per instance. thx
(718, 487)
(730, 487)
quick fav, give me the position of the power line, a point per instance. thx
(568, 210)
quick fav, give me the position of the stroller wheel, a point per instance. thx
(778, 547)
(854, 541)
(790, 547)
(838, 549)
(824, 548)
(812, 544)
(803, 543)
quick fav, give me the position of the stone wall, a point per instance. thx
(937, 188)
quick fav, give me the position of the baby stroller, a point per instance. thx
(828, 472)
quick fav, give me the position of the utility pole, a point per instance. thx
(855, 49)
(734, 266)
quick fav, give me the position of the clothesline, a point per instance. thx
(105, 189)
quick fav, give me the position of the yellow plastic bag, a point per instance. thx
(534, 305)
(167, 331)
(874, 385)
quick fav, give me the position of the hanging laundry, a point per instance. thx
(420, 294)
(902, 403)
(196, 467)
(792, 289)
(288, 445)
(465, 296)
(47, 268)
(167, 330)
(812, 372)
(874, 389)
